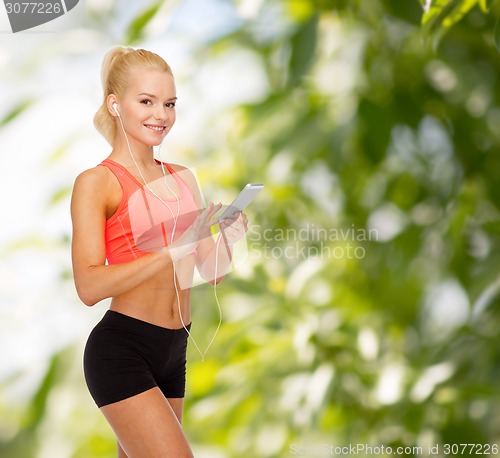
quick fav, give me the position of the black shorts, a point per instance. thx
(125, 356)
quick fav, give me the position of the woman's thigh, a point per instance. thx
(121, 452)
(177, 405)
(146, 426)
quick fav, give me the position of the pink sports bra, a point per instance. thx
(143, 223)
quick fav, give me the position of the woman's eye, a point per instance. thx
(146, 102)
(170, 105)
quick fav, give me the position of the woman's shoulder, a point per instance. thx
(96, 178)
(178, 167)
(189, 178)
(184, 172)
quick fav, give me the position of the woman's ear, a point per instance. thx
(112, 105)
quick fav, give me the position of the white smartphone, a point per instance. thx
(242, 201)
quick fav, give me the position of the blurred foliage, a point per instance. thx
(15, 112)
(136, 27)
(370, 313)
(363, 124)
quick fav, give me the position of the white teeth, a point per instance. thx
(155, 128)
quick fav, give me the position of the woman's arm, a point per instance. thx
(206, 243)
(94, 279)
(206, 248)
(218, 255)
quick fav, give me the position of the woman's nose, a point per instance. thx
(160, 114)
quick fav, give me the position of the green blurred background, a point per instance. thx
(367, 310)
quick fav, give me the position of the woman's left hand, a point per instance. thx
(234, 229)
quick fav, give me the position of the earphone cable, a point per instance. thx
(202, 354)
(215, 284)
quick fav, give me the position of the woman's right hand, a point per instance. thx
(200, 228)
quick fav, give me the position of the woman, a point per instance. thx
(144, 218)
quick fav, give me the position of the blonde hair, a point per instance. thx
(117, 66)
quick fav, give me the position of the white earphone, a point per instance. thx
(115, 107)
